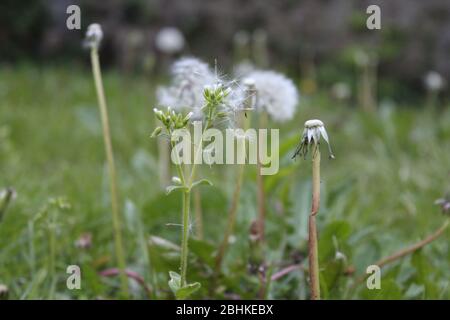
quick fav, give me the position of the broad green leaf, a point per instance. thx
(187, 290)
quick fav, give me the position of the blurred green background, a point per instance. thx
(392, 145)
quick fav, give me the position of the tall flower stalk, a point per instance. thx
(314, 129)
(94, 36)
(173, 124)
(189, 76)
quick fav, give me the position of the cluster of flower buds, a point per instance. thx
(215, 97)
(171, 120)
(216, 94)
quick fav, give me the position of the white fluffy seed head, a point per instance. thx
(94, 35)
(241, 38)
(341, 91)
(276, 94)
(434, 81)
(243, 69)
(189, 77)
(169, 40)
(193, 70)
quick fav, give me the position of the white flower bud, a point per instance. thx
(176, 180)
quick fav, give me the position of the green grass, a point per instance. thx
(377, 196)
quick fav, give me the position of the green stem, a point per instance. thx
(185, 236)
(111, 169)
(312, 243)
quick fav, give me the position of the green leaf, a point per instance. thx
(170, 189)
(181, 292)
(174, 282)
(156, 132)
(201, 182)
(187, 290)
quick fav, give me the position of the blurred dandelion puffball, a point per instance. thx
(434, 81)
(341, 91)
(189, 76)
(241, 38)
(243, 69)
(169, 40)
(276, 94)
(94, 36)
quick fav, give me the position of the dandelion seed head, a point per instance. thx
(189, 77)
(341, 91)
(169, 40)
(243, 69)
(241, 38)
(192, 71)
(276, 94)
(361, 58)
(314, 130)
(94, 36)
(434, 81)
(313, 123)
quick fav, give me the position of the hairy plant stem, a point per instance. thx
(312, 241)
(187, 184)
(185, 236)
(111, 169)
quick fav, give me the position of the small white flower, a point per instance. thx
(434, 81)
(169, 40)
(276, 94)
(94, 36)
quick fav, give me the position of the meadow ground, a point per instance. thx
(377, 196)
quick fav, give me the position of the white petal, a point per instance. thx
(310, 135)
(324, 134)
